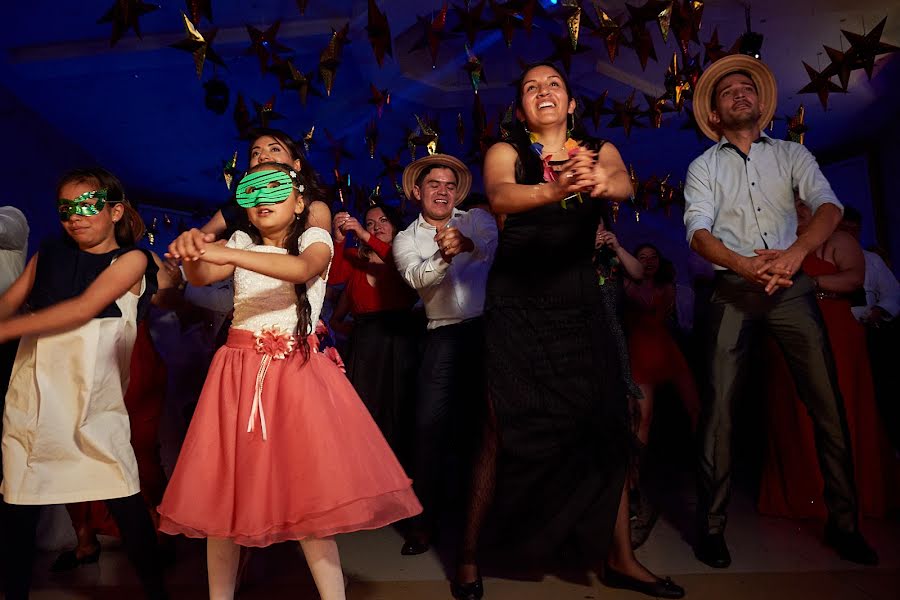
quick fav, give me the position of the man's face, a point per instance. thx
(737, 103)
(437, 194)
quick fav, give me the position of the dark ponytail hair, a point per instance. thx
(292, 244)
(130, 228)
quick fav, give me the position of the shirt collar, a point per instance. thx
(421, 222)
(763, 137)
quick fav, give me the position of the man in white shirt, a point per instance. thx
(445, 254)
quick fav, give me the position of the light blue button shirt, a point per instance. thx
(747, 202)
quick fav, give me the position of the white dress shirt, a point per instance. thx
(747, 201)
(13, 245)
(451, 292)
(881, 288)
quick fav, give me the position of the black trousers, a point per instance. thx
(450, 409)
(739, 311)
(135, 525)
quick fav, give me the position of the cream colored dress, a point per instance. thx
(66, 436)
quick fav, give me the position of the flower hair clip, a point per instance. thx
(299, 186)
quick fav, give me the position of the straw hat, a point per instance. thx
(766, 89)
(463, 175)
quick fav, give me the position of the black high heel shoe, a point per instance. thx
(661, 588)
(473, 590)
(69, 560)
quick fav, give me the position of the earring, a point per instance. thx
(571, 126)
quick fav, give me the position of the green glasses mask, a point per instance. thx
(80, 205)
(266, 187)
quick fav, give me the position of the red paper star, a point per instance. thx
(642, 43)
(821, 85)
(379, 33)
(842, 63)
(866, 47)
(330, 58)
(626, 115)
(687, 17)
(241, 117)
(470, 21)
(610, 31)
(264, 44)
(392, 167)
(434, 33)
(379, 99)
(512, 15)
(595, 108)
(125, 15)
(338, 149)
(714, 50)
(796, 130)
(265, 112)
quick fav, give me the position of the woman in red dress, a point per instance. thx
(791, 484)
(383, 335)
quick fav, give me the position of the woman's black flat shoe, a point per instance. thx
(661, 588)
(467, 591)
(69, 560)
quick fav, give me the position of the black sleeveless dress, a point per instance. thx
(554, 352)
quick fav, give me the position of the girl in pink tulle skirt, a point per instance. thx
(280, 446)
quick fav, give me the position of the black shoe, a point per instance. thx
(413, 547)
(850, 545)
(473, 590)
(69, 560)
(661, 588)
(712, 550)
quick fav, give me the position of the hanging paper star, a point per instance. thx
(611, 33)
(330, 58)
(460, 130)
(264, 44)
(307, 139)
(379, 99)
(866, 47)
(686, 20)
(796, 129)
(199, 8)
(641, 43)
(470, 21)
(338, 149)
(301, 6)
(265, 112)
(563, 51)
(241, 116)
(434, 33)
(655, 109)
(199, 45)
(229, 169)
(842, 63)
(479, 116)
(379, 33)
(475, 69)
(821, 85)
(652, 10)
(714, 50)
(595, 108)
(291, 78)
(573, 26)
(424, 135)
(125, 15)
(626, 115)
(392, 167)
(512, 15)
(506, 121)
(372, 137)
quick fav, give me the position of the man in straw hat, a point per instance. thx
(740, 216)
(445, 254)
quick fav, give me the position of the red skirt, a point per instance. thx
(318, 466)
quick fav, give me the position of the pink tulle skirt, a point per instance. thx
(322, 467)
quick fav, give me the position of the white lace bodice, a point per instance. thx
(263, 301)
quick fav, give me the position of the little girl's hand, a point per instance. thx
(216, 254)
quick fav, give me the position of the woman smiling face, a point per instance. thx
(543, 99)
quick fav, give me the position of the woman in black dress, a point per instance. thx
(559, 436)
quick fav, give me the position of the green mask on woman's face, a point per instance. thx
(81, 205)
